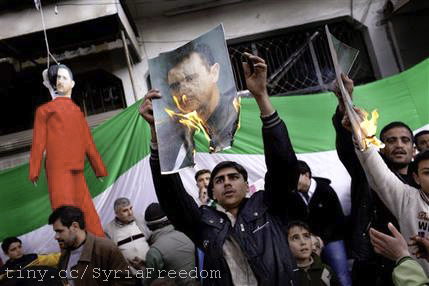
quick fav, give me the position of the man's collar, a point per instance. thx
(87, 248)
(121, 223)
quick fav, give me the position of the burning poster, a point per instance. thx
(198, 95)
(343, 57)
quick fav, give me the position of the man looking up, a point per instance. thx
(61, 130)
(242, 238)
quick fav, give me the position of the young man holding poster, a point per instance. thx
(242, 237)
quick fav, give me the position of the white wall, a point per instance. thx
(67, 14)
(160, 34)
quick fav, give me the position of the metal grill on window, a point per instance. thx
(299, 62)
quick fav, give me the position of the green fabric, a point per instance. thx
(124, 140)
(403, 97)
(409, 273)
(154, 263)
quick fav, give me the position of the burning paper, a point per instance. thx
(364, 129)
(198, 96)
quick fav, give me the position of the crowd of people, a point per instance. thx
(293, 232)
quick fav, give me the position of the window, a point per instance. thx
(292, 69)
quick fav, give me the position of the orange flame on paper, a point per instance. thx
(192, 120)
(369, 128)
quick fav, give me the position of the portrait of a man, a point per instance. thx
(199, 95)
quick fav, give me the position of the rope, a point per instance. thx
(38, 4)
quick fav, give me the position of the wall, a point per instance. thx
(159, 34)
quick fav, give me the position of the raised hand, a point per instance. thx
(256, 82)
(146, 110)
(421, 245)
(348, 84)
(393, 247)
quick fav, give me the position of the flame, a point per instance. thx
(191, 120)
(369, 128)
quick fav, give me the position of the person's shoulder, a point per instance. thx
(44, 107)
(98, 244)
(323, 185)
(110, 224)
(103, 242)
(110, 227)
(322, 181)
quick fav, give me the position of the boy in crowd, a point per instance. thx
(311, 269)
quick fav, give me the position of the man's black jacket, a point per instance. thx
(323, 214)
(257, 228)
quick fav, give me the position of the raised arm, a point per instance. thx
(180, 207)
(282, 172)
(343, 140)
(391, 190)
(39, 143)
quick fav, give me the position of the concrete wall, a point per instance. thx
(67, 14)
(413, 46)
(159, 34)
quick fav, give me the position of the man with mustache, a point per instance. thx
(367, 210)
(61, 130)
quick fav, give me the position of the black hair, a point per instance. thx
(420, 157)
(421, 133)
(68, 215)
(7, 242)
(201, 172)
(303, 168)
(185, 52)
(395, 124)
(298, 223)
(53, 72)
(223, 165)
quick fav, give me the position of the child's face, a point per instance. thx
(317, 244)
(300, 243)
(422, 177)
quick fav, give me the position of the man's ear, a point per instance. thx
(214, 71)
(74, 226)
(416, 178)
(72, 84)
